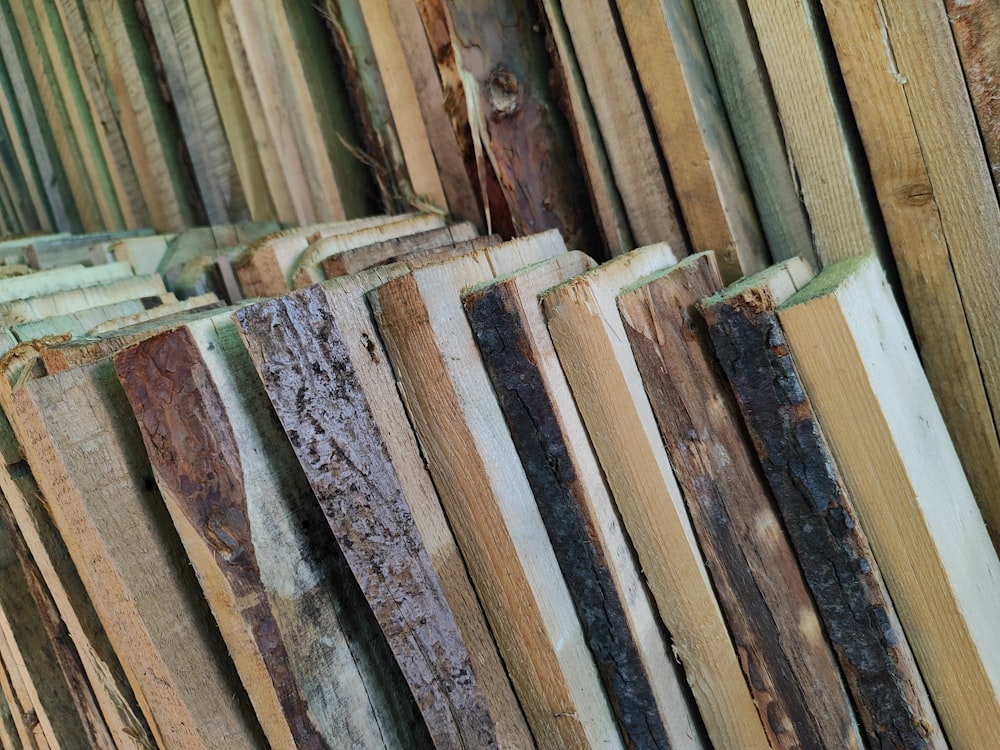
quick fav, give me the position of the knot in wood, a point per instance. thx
(504, 92)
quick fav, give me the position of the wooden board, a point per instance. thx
(856, 360)
(308, 269)
(301, 639)
(486, 494)
(321, 362)
(836, 558)
(694, 135)
(151, 314)
(397, 248)
(71, 300)
(818, 128)
(774, 624)
(265, 267)
(19, 159)
(753, 116)
(29, 730)
(24, 503)
(82, 322)
(633, 153)
(618, 617)
(593, 349)
(118, 533)
(196, 241)
(55, 280)
(935, 192)
(142, 253)
(89, 249)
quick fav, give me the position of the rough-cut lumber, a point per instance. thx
(746, 92)
(679, 88)
(633, 153)
(197, 241)
(148, 126)
(773, 621)
(817, 125)
(976, 27)
(24, 503)
(618, 617)
(486, 494)
(51, 668)
(265, 267)
(150, 314)
(70, 300)
(343, 265)
(323, 366)
(9, 738)
(494, 70)
(935, 191)
(82, 322)
(593, 349)
(31, 201)
(52, 252)
(77, 434)
(399, 248)
(29, 731)
(142, 253)
(833, 549)
(861, 372)
(58, 279)
(184, 71)
(375, 56)
(299, 637)
(308, 269)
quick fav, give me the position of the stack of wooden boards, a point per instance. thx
(458, 492)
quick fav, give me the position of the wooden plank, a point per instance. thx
(171, 310)
(53, 110)
(643, 683)
(385, 251)
(818, 128)
(84, 321)
(42, 143)
(837, 561)
(926, 159)
(142, 253)
(773, 621)
(24, 502)
(184, 70)
(148, 127)
(486, 494)
(856, 360)
(684, 103)
(493, 68)
(593, 349)
(9, 737)
(249, 172)
(28, 728)
(330, 381)
(251, 527)
(634, 156)
(393, 251)
(976, 28)
(196, 241)
(52, 252)
(378, 62)
(33, 200)
(118, 533)
(71, 300)
(265, 268)
(91, 87)
(308, 269)
(59, 279)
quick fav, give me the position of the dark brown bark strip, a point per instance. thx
(536, 429)
(310, 377)
(832, 548)
(787, 659)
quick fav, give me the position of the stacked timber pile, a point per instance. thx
(400, 373)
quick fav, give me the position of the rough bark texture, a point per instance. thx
(836, 560)
(537, 433)
(787, 660)
(311, 380)
(194, 451)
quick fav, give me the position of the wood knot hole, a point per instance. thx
(504, 92)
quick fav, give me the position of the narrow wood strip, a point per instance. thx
(54, 280)
(679, 88)
(332, 387)
(456, 239)
(857, 361)
(593, 349)
(774, 624)
(80, 323)
(28, 728)
(20, 145)
(486, 494)
(832, 547)
(623, 632)
(251, 528)
(71, 300)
